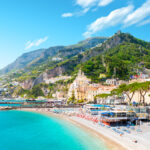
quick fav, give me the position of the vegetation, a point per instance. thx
(143, 88)
(72, 99)
(120, 62)
(103, 96)
(129, 90)
(35, 92)
(121, 56)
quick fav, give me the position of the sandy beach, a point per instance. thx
(110, 143)
(112, 140)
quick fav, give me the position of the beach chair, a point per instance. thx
(114, 129)
(132, 128)
(139, 130)
(128, 131)
(107, 126)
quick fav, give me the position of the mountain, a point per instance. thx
(121, 62)
(122, 56)
(118, 56)
(41, 56)
(29, 58)
(22, 61)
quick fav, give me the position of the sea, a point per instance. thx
(23, 130)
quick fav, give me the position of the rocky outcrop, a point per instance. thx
(38, 80)
(58, 71)
(27, 84)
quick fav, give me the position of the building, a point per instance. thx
(91, 93)
(79, 86)
(59, 95)
(83, 89)
(115, 82)
(56, 59)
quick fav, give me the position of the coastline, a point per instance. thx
(109, 142)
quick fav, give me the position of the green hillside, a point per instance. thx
(120, 62)
(120, 56)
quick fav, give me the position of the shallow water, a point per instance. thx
(20, 130)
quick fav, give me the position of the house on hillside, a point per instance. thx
(79, 86)
(115, 82)
(83, 89)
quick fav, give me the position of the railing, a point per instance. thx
(116, 118)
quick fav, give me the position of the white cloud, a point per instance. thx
(91, 3)
(144, 22)
(104, 2)
(82, 12)
(114, 18)
(86, 5)
(28, 45)
(40, 41)
(65, 15)
(85, 10)
(36, 43)
(138, 15)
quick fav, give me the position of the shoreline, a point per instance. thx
(109, 142)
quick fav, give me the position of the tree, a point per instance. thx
(80, 101)
(103, 96)
(143, 88)
(72, 99)
(95, 100)
(36, 91)
(129, 90)
(133, 87)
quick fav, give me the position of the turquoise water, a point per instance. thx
(10, 105)
(32, 131)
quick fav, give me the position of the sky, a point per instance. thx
(27, 25)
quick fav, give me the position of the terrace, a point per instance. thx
(116, 116)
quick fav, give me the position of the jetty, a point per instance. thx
(6, 108)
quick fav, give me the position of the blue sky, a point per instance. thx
(27, 25)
